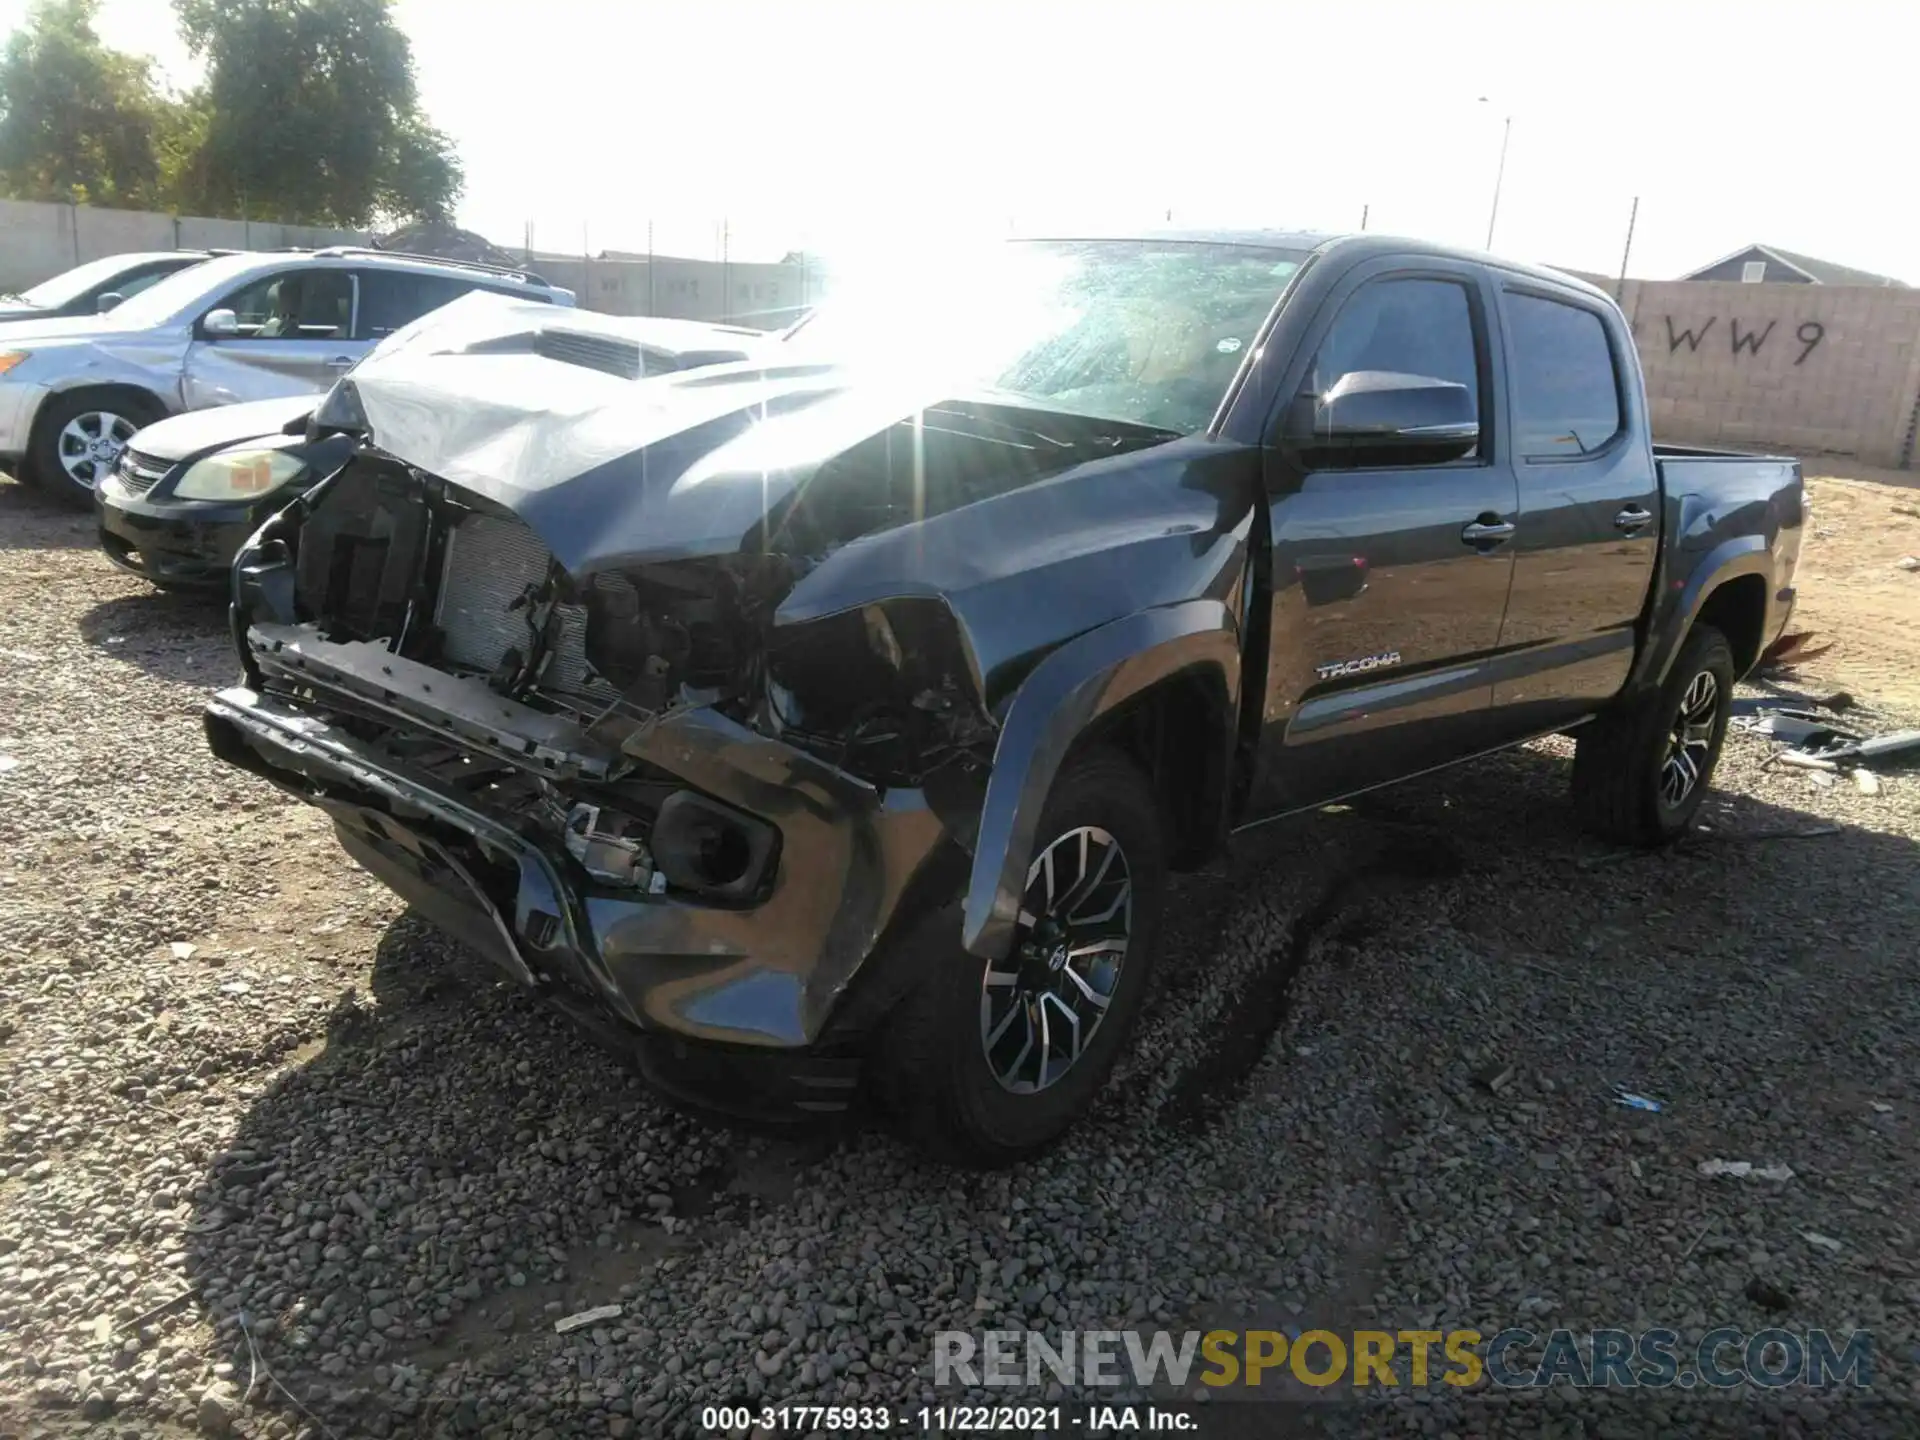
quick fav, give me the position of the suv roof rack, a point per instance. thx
(515, 273)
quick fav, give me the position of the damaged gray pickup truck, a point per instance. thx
(829, 727)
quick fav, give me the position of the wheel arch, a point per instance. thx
(56, 399)
(1727, 586)
(1160, 684)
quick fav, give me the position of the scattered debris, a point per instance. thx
(1746, 706)
(1822, 779)
(7, 762)
(1811, 832)
(1790, 649)
(1624, 1096)
(1494, 1078)
(1741, 1169)
(183, 949)
(1866, 782)
(1899, 742)
(1767, 1295)
(580, 1319)
(1908, 562)
(1824, 1242)
(1880, 1107)
(1801, 728)
(1799, 759)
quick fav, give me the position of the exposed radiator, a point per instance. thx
(491, 564)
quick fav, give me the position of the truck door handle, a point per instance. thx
(1631, 519)
(340, 362)
(1488, 533)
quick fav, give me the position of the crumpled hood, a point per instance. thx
(610, 471)
(222, 425)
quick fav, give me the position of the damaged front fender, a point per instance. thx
(1061, 701)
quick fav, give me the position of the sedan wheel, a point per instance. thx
(89, 446)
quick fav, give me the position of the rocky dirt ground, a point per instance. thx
(279, 1160)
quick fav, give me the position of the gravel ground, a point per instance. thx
(321, 1174)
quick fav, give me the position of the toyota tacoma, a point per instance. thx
(827, 726)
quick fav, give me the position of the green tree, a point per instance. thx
(80, 122)
(311, 115)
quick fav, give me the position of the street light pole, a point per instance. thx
(1506, 133)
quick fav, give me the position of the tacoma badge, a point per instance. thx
(1335, 669)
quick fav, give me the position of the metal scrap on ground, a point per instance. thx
(579, 1320)
(1741, 1169)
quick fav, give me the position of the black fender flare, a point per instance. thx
(1073, 687)
(1729, 560)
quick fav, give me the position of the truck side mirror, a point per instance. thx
(107, 301)
(1382, 417)
(220, 325)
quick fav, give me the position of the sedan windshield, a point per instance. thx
(72, 284)
(1146, 331)
(183, 289)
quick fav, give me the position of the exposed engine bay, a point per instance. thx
(438, 624)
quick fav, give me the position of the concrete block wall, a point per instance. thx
(38, 240)
(1813, 368)
(684, 288)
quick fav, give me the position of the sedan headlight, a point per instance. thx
(239, 475)
(11, 358)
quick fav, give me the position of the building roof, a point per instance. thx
(1820, 272)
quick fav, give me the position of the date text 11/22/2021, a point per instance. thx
(1090, 1419)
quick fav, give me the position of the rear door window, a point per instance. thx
(391, 299)
(1566, 387)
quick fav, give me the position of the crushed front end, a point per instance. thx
(725, 845)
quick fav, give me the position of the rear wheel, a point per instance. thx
(1640, 774)
(989, 1062)
(78, 439)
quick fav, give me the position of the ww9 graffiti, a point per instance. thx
(1809, 333)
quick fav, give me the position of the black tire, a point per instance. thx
(930, 1068)
(1622, 789)
(120, 412)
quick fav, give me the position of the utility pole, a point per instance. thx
(1363, 215)
(1632, 216)
(649, 265)
(1506, 133)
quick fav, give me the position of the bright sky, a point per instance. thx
(853, 123)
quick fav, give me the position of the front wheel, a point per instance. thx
(78, 441)
(1640, 774)
(988, 1062)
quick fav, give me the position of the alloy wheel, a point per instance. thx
(90, 445)
(1040, 1007)
(1690, 740)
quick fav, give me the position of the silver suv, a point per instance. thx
(240, 327)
